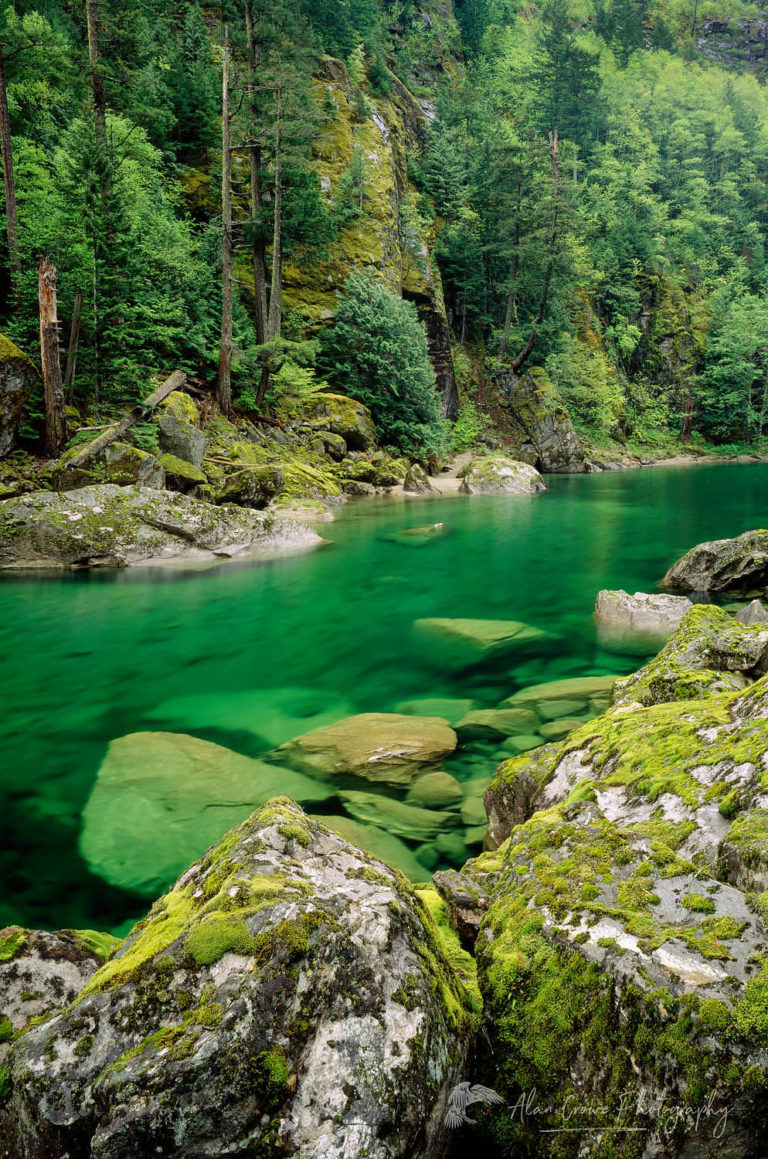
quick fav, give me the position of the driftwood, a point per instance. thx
(141, 411)
(55, 419)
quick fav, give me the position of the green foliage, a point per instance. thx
(376, 352)
(471, 424)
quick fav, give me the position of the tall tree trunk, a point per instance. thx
(55, 417)
(97, 80)
(224, 383)
(259, 256)
(74, 342)
(693, 19)
(9, 183)
(276, 289)
(511, 311)
(554, 158)
(685, 433)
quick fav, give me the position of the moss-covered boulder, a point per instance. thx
(734, 565)
(380, 747)
(290, 995)
(497, 474)
(510, 798)
(180, 475)
(18, 378)
(626, 989)
(161, 799)
(41, 972)
(710, 652)
(178, 425)
(110, 526)
(417, 481)
(341, 416)
(126, 465)
(250, 486)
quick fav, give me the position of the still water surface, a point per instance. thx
(85, 658)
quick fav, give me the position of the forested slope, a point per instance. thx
(574, 188)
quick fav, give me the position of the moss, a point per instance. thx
(272, 1077)
(6, 1030)
(84, 1045)
(209, 1015)
(101, 945)
(462, 964)
(13, 939)
(698, 904)
(216, 935)
(294, 832)
(5, 1083)
(409, 994)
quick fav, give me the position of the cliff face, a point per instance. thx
(369, 139)
(737, 44)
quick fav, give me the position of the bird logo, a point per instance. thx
(463, 1096)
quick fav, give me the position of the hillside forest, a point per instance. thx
(415, 203)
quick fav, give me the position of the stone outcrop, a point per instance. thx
(111, 526)
(543, 431)
(18, 378)
(723, 565)
(289, 996)
(178, 425)
(341, 416)
(497, 474)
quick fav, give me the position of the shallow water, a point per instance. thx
(86, 658)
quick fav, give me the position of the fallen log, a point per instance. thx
(141, 411)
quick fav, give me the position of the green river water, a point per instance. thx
(86, 658)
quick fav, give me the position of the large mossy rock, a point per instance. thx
(162, 798)
(497, 474)
(126, 465)
(178, 424)
(41, 972)
(734, 565)
(290, 996)
(341, 416)
(544, 432)
(110, 526)
(380, 747)
(709, 652)
(18, 378)
(626, 988)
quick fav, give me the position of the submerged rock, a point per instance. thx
(419, 536)
(161, 799)
(579, 690)
(40, 972)
(404, 819)
(377, 746)
(290, 995)
(496, 473)
(722, 565)
(462, 642)
(451, 709)
(110, 526)
(434, 791)
(273, 715)
(495, 724)
(639, 621)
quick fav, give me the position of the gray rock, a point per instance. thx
(249, 486)
(178, 424)
(41, 972)
(544, 431)
(110, 526)
(639, 621)
(290, 995)
(733, 565)
(754, 613)
(18, 378)
(499, 474)
(127, 465)
(417, 481)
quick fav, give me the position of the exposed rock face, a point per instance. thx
(736, 565)
(710, 652)
(545, 434)
(109, 526)
(18, 377)
(380, 747)
(40, 972)
(289, 996)
(498, 474)
(161, 799)
(634, 622)
(753, 613)
(738, 44)
(417, 481)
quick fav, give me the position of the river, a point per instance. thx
(88, 658)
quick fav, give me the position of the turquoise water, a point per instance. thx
(87, 657)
